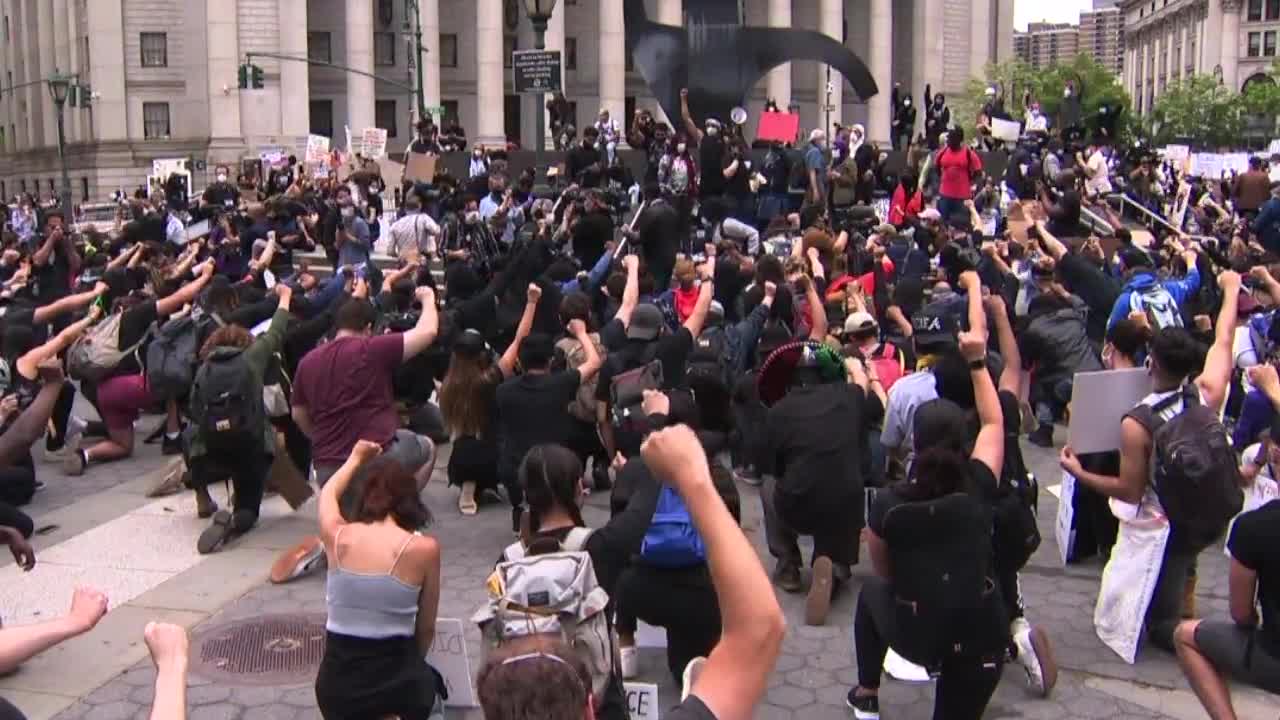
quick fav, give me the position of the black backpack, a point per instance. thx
(171, 357)
(226, 402)
(710, 355)
(945, 600)
(1193, 469)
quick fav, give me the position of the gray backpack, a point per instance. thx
(96, 353)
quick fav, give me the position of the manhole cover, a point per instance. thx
(264, 650)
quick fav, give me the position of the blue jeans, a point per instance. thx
(948, 207)
(1052, 399)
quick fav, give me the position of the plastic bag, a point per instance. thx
(1129, 579)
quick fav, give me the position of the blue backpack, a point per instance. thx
(671, 540)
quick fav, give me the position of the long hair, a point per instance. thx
(390, 490)
(226, 336)
(549, 475)
(467, 394)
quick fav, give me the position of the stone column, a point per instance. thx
(554, 40)
(295, 85)
(48, 63)
(881, 65)
(670, 12)
(831, 24)
(979, 38)
(1212, 49)
(62, 61)
(77, 118)
(613, 62)
(928, 48)
(779, 79)
(429, 16)
(1004, 30)
(360, 89)
(105, 24)
(223, 29)
(1230, 51)
(490, 130)
(1185, 55)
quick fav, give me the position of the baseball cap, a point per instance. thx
(933, 330)
(931, 214)
(858, 322)
(646, 322)
(470, 343)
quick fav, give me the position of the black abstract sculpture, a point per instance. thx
(719, 60)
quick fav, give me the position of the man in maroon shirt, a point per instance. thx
(342, 393)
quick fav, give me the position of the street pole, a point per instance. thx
(411, 8)
(62, 159)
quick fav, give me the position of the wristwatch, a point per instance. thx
(980, 364)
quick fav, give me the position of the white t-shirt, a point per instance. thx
(1098, 181)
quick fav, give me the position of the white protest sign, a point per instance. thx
(317, 149)
(1062, 529)
(374, 142)
(642, 700)
(1274, 148)
(449, 657)
(1176, 153)
(1005, 130)
(1099, 401)
(650, 636)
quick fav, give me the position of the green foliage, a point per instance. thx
(1199, 110)
(1097, 83)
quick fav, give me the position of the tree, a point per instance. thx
(1098, 85)
(1201, 111)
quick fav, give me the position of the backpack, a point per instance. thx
(1160, 308)
(890, 365)
(171, 357)
(945, 600)
(226, 402)
(1263, 334)
(583, 405)
(710, 354)
(672, 541)
(97, 353)
(552, 594)
(1193, 469)
(626, 390)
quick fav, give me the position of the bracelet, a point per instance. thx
(978, 364)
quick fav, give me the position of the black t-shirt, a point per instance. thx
(1097, 289)
(581, 158)
(980, 479)
(53, 279)
(1253, 542)
(533, 409)
(133, 326)
(672, 349)
(691, 709)
(710, 158)
(816, 437)
(1064, 221)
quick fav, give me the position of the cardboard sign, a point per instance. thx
(449, 657)
(392, 173)
(317, 149)
(374, 142)
(1005, 130)
(779, 127)
(1099, 400)
(1062, 528)
(421, 167)
(642, 700)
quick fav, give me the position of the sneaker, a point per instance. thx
(214, 536)
(298, 560)
(787, 576)
(749, 476)
(690, 676)
(171, 446)
(60, 455)
(1041, 436)
(74, 463)
(1035, 655)
(38, 486)
(629, 659)
(818, 604)
(866, 707)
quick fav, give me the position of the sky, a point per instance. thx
(1025, 11)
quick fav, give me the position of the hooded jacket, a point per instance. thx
(1179, 290)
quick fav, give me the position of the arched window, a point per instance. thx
(1257, 78)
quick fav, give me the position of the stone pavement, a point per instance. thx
(812, 676)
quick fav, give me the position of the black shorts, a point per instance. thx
(1240, 652)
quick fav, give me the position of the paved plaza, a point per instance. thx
(142, 553)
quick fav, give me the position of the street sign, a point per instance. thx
(536, 71)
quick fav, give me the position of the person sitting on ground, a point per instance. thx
(546, 681)
(382, 594)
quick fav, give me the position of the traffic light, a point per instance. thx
(85, 95)
(244, 77)
(258, 83)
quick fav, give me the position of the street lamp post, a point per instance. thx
(539, 12)
(59, 86)
(411, 9)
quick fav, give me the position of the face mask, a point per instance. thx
(472, 217)
(1066, 93)
(906, 103)
(681, 148)
(712, 131)
(222, 178)
(477, 155)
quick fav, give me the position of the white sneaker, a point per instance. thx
(629, 657)
(1035, 655)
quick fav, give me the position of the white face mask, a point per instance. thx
(1066, 93)
(906, 103)
(712, 131)
(222, 177)
(681, 148)
(472, 217)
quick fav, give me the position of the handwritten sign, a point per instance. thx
(449, 657)
(421, 168)
(317, 149)
(374, 141)
(642, 700)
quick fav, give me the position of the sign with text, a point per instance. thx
(449, 657)
(536, 71)
(317, 149)
(642, 700)
(421, 167)
(778, 127)
(374, 142)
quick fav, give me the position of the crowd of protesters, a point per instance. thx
(864, 339)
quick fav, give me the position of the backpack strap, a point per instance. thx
(576, 540)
